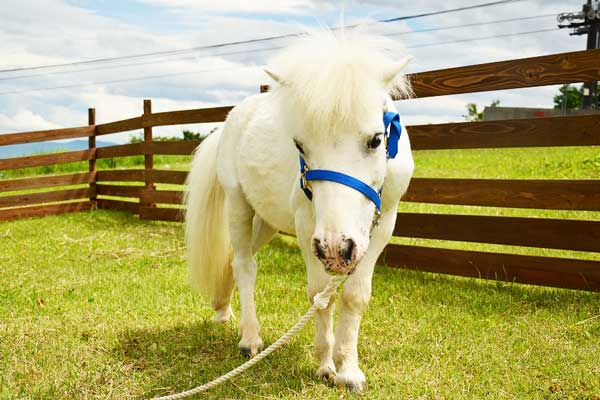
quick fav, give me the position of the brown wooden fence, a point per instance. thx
(105, 190)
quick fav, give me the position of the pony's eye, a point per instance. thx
(375, 141)
(299, 146)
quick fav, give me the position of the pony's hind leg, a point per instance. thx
(244, 269)
(262, 233)
(221, 301)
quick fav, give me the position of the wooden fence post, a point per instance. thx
(148, 156)
(92, 162)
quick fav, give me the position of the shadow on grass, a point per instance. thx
(185, 356)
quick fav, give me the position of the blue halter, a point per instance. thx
(391, 120)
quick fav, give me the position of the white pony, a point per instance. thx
(243, 188)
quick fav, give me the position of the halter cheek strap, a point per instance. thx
(391, 120)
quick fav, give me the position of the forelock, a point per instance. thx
(335, 78)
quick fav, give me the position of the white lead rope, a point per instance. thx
(320, 302)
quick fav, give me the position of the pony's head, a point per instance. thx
(334, 88)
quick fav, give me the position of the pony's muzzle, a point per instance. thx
(338, 253)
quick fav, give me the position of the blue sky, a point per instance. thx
(41, 32)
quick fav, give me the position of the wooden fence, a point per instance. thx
(566, 234)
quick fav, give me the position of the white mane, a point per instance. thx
(334, 78)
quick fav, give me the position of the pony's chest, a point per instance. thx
(267, 172)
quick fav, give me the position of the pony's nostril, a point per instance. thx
(318, 249)
(348, 250)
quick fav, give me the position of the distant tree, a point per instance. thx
(572, 95)
(189, 135)
(135, 139)
(473, 114)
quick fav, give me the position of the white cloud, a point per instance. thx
(54, 31)
(240, 6)
(35, 122)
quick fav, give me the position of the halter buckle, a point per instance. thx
(376, 217)
(304, 183)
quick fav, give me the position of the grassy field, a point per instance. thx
(96, 305)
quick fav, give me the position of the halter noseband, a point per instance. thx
(391, 120)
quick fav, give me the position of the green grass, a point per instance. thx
(96, 305)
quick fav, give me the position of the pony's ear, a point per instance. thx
(391, 72)
(275, 77)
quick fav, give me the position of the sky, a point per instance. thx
(45, 32)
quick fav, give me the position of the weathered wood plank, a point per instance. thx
(183, 147)
(121, 150)
(162, 214)
(581, 130)
(40, 211)
(92, 147)
(124, 125)
(161, 196)
(118, 190)
(546, 271)
(137, 175)
(46, 181)
(543, 194)
(554, 69)
(516, 231)
(121, 175)
(51, 134)
(44, 197)
(46, 159)
(119, 205)
(195, 116)
(164, 176)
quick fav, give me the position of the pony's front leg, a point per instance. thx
(317, 280)
(354, 300)
(324, 339)
(244, 270)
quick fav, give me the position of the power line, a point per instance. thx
(141, 63)
(246, 67)
(214, 46)
(449, 27)
(494, 3)
(110, 82)
(483, 38)
(442, 28)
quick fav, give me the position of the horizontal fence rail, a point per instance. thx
(582, 130)
(135, 191)
(46, 181)
(516, 231)
(52, 134)
(44, 197)
(583, 195)
(547, 271)
(44, 210)
(46, 159)
(555, 69)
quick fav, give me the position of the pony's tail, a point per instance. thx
(207, 229)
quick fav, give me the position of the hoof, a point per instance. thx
(252, 351)
(223, 315)
(353, 381)
(326, 373)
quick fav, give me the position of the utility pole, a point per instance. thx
(586, 22)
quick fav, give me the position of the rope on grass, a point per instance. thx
(320, 302)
